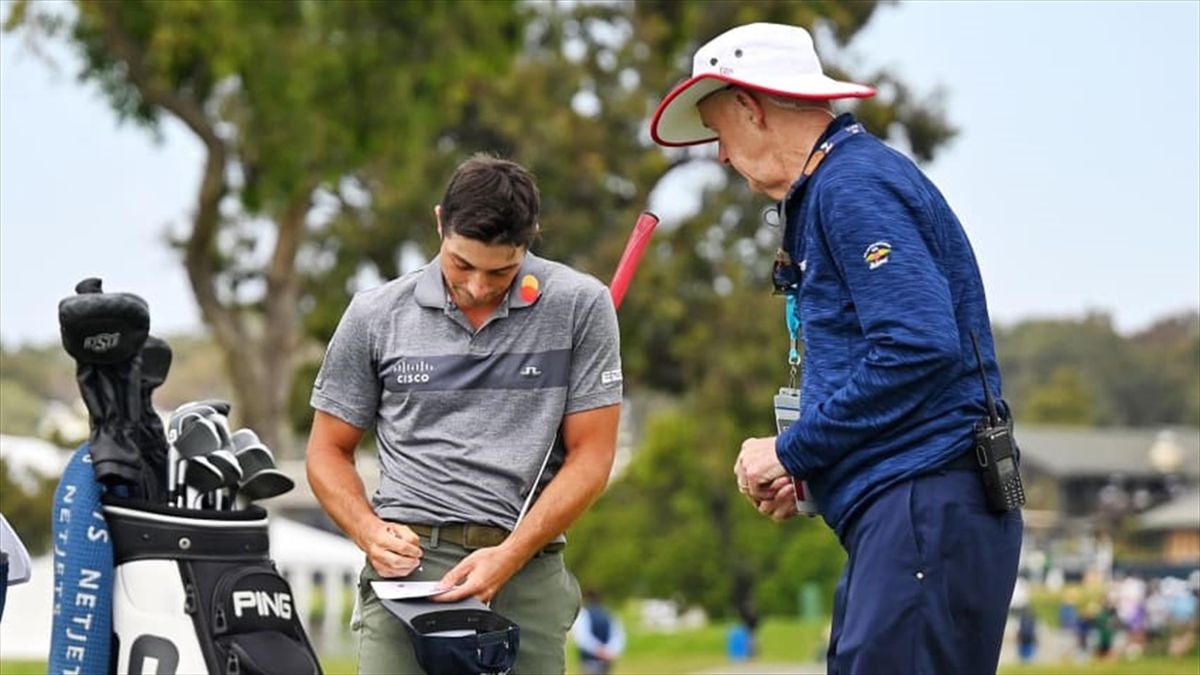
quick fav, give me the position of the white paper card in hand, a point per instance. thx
(406, 590)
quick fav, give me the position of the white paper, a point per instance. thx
(406, 590)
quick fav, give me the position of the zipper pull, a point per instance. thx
(189, 601)
(232, 665)
(219, 625)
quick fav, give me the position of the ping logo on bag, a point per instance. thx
(263, 603)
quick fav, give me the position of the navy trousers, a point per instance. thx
(928, 582)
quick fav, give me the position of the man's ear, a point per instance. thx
(437, 216)
(750, 107)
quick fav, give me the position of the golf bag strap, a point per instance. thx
(80, 639)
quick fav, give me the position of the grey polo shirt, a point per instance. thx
(464, 417)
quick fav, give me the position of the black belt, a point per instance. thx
(964, 462)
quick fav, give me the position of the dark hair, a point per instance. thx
(491, 200)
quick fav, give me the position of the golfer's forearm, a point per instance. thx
(580, 480)
(339, 489)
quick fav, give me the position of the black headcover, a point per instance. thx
(103, 328)
(458, 637)
(107, 334)
(151, 438)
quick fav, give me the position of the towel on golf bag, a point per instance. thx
(80, 640)
(196, 592)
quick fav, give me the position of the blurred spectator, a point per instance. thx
(739, 644)
(1027, 635)
(598, 635)
(1105, 625)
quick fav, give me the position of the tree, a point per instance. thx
(297, 105)
(29, 507)
(1062, 400)
(1149, 379)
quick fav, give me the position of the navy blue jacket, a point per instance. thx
(888, 297)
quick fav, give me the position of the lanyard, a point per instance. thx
(787, 273)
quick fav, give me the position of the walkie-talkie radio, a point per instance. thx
(996, 452)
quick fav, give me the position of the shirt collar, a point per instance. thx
(431, 288)
(835, 125)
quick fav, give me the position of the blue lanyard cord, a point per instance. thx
(793, 326)
(791, 290)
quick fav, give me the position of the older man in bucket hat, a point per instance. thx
(878, 273)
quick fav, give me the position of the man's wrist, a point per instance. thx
(519, 550)
(783, 457)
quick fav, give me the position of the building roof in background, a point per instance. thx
(1180, 513)
(1079, 451)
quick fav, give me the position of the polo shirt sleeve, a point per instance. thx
(878, 231)
(347, 385)
(595, 380)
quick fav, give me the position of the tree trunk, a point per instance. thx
(742, 591)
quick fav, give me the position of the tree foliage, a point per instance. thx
(1081, 371)
(29, 511)
(301, 108)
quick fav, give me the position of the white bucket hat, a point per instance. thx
(768, 57)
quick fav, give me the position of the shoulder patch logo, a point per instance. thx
(877, 254)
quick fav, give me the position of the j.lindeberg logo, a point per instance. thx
(101, 342)
(531, 371)
(413, 372)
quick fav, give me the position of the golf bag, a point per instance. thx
(195, 591)
(191, 590)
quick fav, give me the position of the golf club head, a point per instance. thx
(255, 458)
(265, 484)
(244, 438)
(227, 463)
(202, 476)
(216, 404)
(198, 437)
(180, 417)
(221, 422)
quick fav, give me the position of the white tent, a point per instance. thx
(301, 552)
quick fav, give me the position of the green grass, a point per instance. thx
(22, 667)
(780, 641)
(1154, 665)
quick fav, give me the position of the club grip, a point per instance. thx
(634, 248)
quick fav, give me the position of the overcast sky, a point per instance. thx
(1076, 173)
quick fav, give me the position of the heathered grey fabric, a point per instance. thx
(464, 418)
